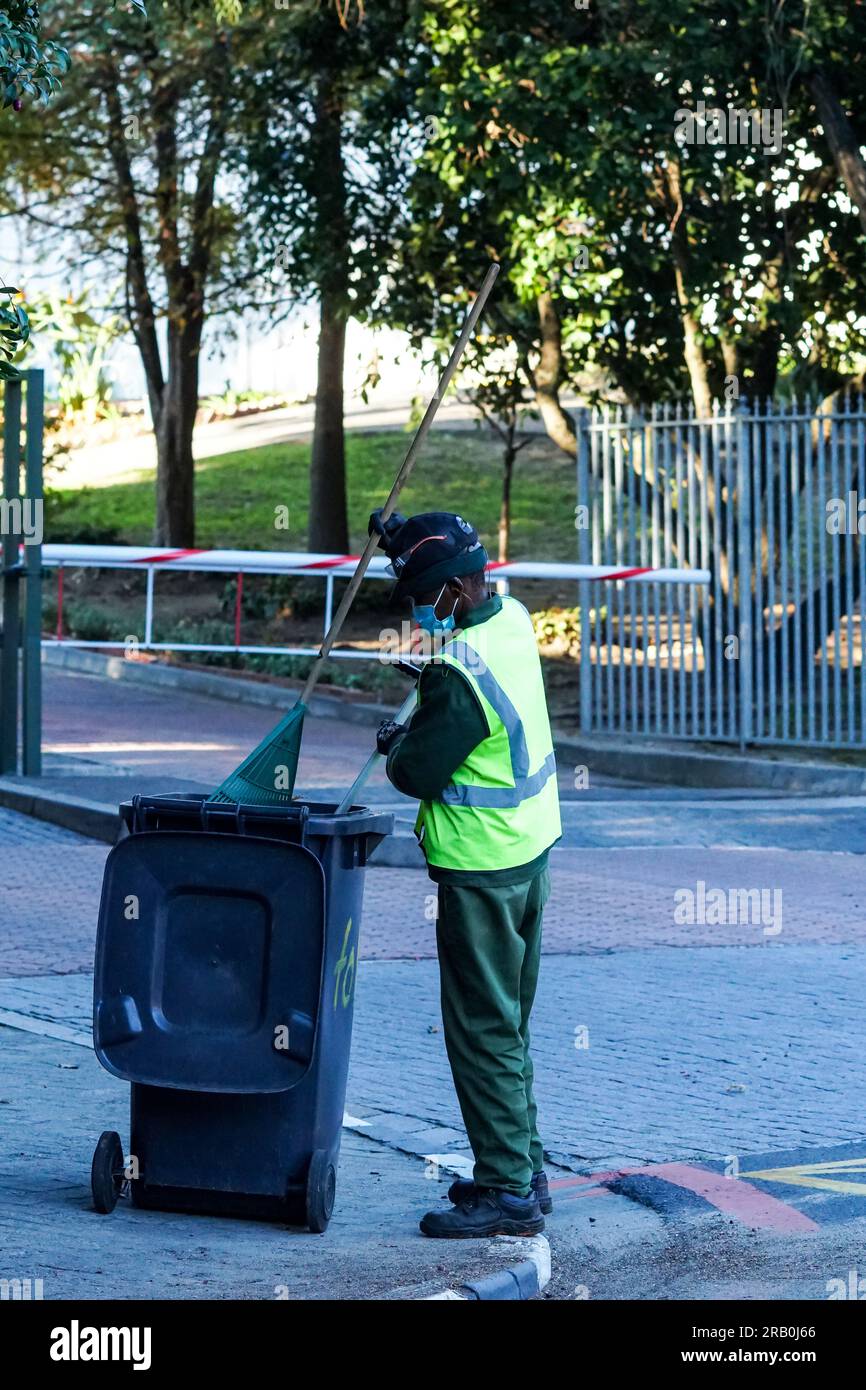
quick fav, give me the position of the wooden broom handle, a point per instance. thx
(405, 469)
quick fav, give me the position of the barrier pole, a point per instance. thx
(31, 732)
(11, 573)
(59, 603)
(148, 607)
(239, 599)
(583, 590)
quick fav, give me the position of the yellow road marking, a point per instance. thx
(807, 1175)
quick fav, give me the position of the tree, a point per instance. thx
(134, 184)
(695, 261)
(326, 170)
(30, 65)
(150, 183)
(670, 266)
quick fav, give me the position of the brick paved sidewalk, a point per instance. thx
(57, 1100)
(602, 900)
(681, 1054)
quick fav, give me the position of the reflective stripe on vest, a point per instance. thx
(525, 785)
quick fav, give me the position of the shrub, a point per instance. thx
(557, 631)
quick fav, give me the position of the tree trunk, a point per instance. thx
(764, 350)
(175, 508)
(766, 360)
(822, 603)
(547, 378)
(693, 350)
(173, 396)
(843, 143)
(505, 507)
(731, 357)
(175, 471)
(328, 524)
(328, 528)
(139, 305)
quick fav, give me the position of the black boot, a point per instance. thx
(464, 1187)
(486, 1212)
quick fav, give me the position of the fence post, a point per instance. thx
(584, 558)
(744, 577)
(148, 607)
(11, 575)
(32, 636)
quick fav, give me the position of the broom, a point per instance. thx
(267, 776)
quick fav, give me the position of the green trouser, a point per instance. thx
(489, 945)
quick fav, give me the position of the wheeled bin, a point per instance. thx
(224, 985)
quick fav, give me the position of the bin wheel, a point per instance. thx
(321, 1191)
(106, 1172)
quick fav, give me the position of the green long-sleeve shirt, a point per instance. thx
(447, 724)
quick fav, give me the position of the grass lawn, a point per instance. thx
(237, 494)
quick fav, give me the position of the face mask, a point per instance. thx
(424, 615)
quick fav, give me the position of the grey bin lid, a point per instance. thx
(192, 810)
(208, 961)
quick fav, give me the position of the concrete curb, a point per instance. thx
(649, 761)
(516, 1282)
(238, 689)
(91, 818)
(686, 767)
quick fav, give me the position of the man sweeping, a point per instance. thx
(478, 755)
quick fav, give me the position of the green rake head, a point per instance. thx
(266, 777)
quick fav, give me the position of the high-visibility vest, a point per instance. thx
(501, 808)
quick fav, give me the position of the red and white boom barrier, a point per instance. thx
(303, 562)
(152, 559)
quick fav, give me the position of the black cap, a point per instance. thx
(428, 549)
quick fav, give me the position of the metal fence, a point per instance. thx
(768, 498)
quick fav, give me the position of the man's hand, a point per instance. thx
(387, 734)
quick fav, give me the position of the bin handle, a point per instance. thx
(136, 806)
(243, 810)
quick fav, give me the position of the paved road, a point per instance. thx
(106, 739)
(602, 900)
